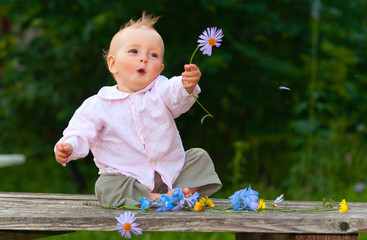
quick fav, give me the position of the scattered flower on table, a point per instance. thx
(126, 224)
(261, 207)
(164, 204)
(176, 202)
(145, 203)
(244, 199)
(278, 200)
(206, 202)
(198, 207)
(343, 206)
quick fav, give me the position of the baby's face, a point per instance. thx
(136, 58)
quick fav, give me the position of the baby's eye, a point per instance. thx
(155, 55)
(133, 51)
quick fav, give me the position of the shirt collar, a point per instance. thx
(112, 92)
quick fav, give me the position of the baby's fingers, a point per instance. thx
(191, 67)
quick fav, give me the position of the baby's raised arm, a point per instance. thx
(190, 77)
(63, 152)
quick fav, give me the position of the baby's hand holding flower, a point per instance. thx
(190, 77)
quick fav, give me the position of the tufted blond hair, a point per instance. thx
(145, 20)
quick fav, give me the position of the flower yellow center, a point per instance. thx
(212, 41)
(127, 227)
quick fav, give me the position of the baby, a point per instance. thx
(130, 127)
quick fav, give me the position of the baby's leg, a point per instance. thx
(115, 190)
(198, 174)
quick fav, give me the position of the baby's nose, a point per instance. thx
(143, 59)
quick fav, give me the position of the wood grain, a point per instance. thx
(67, 212)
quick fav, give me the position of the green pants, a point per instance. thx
(115, 190)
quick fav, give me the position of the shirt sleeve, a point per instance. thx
(175, 96)
(82, 130)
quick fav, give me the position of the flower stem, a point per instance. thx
(196, 99)
(192, 56)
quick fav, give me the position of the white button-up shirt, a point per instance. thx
(133, 134)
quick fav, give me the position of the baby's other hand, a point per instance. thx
(190, 77)
(63, 152)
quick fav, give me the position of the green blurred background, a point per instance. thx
(307, 143)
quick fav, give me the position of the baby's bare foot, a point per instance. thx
(170, 193)
(153, 196)
(188, 192)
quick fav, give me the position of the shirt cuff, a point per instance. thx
(195, 90)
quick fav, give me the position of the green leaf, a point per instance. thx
(130, 207)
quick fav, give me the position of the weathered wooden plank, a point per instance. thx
(280, 236)
(66, 212)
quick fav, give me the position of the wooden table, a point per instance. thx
(35, 215)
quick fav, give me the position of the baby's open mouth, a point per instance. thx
(141, 70)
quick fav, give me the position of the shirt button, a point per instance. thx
(154, 163)
(145, 139)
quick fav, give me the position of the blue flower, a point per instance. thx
(252, 192)
(236, 200)
(164, 204)
(253, 206)
(177, 196)
(244, 199)
(145, 203)
(188, 202)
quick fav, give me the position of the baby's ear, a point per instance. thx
(111, 64)
(161, 69)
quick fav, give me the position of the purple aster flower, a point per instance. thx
(185, 203)
(191, 200)
(209, 38)
(126, 224)
(178, 207)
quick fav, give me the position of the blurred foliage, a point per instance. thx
(307, 143)
(145, 236)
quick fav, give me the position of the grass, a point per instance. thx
(85, 235)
